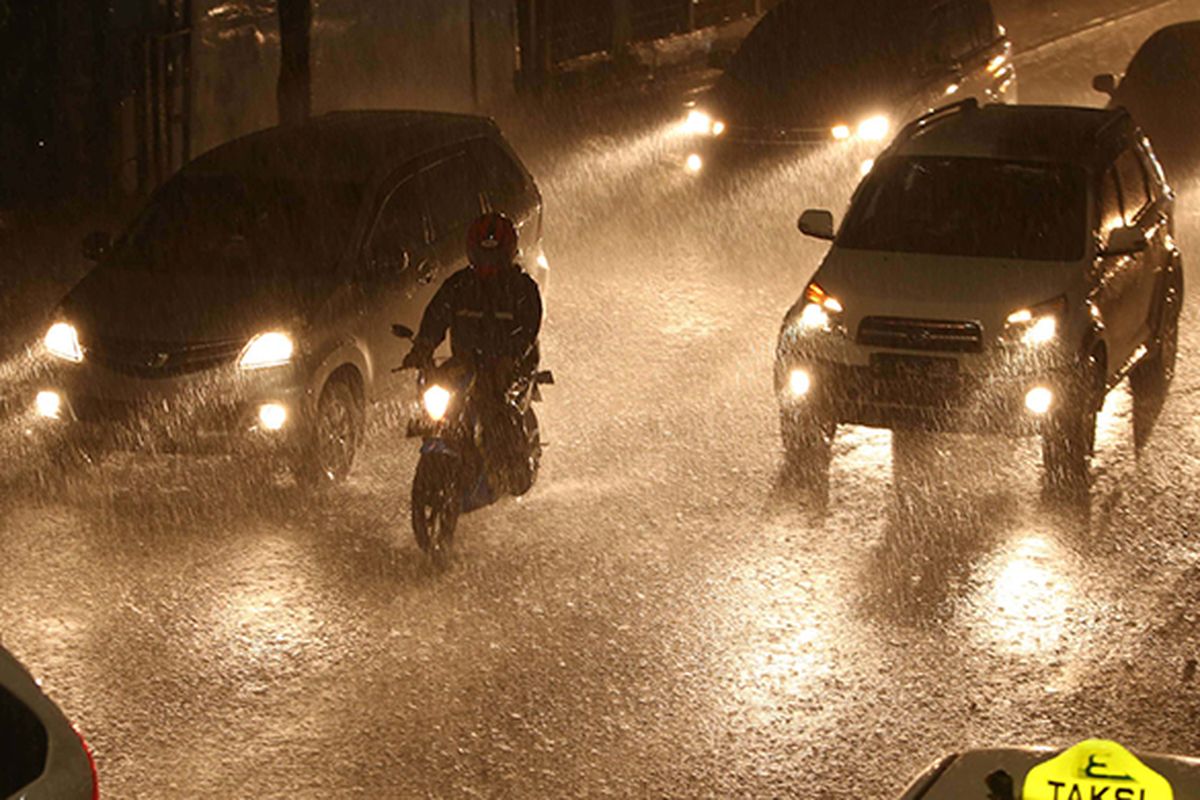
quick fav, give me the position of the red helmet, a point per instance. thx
(492, 244)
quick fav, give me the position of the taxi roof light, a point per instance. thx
(1095, 768)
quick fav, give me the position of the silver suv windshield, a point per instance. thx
(973, 207)
(221, 223)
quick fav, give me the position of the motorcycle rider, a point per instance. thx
(493, 311)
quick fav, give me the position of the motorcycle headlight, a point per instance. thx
(267, 350)
(1037, 325)
(820, 309)
(436, 401)
(62, 340)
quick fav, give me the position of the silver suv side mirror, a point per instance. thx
(1125, 242)
(387, 264)
(817, 223)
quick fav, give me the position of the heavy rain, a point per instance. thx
(674, 609)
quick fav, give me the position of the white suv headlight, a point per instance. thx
(62, 340)
(267, 350)
(1037, 325)
(820, 309)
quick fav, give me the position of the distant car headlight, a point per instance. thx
(62, 340)
(1037, 325)
(272, 349)
(840, 132)
(820, 309)
(701, 123)
(436, 401)
(874, 129)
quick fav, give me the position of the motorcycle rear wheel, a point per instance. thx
(436, 503)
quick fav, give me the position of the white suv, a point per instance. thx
(1000, 270)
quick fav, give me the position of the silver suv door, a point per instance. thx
(397, 269)
(454, 194)
(507, 188)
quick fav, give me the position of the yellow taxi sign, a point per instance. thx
(1095, 769)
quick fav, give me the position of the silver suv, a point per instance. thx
(250, 306)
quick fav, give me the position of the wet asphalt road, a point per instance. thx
(659, 617)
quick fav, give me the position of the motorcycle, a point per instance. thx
(454, 474)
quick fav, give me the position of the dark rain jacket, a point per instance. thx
(490, 319)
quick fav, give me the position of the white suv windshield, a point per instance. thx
(971, 207)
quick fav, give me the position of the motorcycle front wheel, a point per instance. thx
(525, 474)
(436, 503)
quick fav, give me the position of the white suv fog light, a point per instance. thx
(272, 416)
(799, 383)
(1039, 400)
(49, 405)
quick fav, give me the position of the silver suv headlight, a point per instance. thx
(272, 349)
(62, 341)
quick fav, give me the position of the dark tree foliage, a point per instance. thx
(295, 70)
(27, 82)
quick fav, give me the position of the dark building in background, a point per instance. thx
(95, 96)
(555, 32)
(109, 97)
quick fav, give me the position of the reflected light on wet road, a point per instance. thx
(1112, 423)
(1026, 596)
(263, 616)
(785, 646)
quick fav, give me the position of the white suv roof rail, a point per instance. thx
(923, 121)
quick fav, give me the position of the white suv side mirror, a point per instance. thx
(817, 223)
(1105, 84)
(1126, 242)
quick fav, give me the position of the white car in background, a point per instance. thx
(999, 271)
(42, 756)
